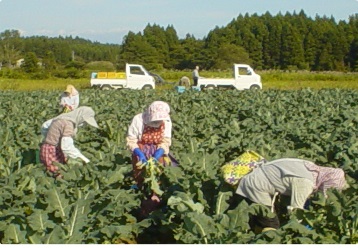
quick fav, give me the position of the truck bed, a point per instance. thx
(216, 81)
(112, 82)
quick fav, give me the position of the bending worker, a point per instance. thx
(149, 136)
(59, 132)
(184, 81)
(288, 176)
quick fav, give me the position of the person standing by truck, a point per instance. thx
(196, 76)
(149, 136)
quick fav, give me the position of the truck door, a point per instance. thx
(137, 77)
(244, 77)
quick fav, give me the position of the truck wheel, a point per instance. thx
(210, 87)
(147, 87)
(254, 87)
(106, 87)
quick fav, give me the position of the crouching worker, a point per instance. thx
(184, 81)
(296, 178)
(59, 133)
(149, 136)
(69, 99)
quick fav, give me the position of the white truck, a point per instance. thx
(135, 77)
(244, 78)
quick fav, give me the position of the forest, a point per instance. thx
(291, 41)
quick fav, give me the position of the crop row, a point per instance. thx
(95, 203)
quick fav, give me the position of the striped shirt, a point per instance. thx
(59, 128)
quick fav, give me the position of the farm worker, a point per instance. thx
(184, 81)
(149, 136)
(70, 99)
(59, 132)
(297, 178)
(196, 75)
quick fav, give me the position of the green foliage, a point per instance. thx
(94, 204)
(30, 64)
(75, 65)
(228, 54)
(100, 66)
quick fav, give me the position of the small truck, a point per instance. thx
(244, 78)
(135, 77)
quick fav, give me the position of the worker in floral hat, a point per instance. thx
(58, 134)
(297, 178)
(70, 99)
(150, 136)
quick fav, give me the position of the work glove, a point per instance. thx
(308, 227)
(140, 155)
(134, 186)
(158, 154)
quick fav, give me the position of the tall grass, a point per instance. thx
(270, 80)
(47, 84)
(304, 79)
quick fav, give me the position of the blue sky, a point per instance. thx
(107, 21)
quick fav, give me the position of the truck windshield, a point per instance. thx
(136, 70)
(146, 72)
(244, 71)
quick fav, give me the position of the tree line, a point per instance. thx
(284, 42)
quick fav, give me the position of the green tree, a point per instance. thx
(228, 54)
(156, 37)
(49, 61)
(352, 57)
(193, 53)
(310, 47)
(175, 50)
(291, 48)
(136, 49)
(273, 46)
(10, 47)
(30, 64)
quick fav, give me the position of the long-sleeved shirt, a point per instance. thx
(195, 73)
(72, 101)
(61, 132)
(263, 182)
(135, 132)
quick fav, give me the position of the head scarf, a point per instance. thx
(79, 116)
(157, 111)
(71, 90)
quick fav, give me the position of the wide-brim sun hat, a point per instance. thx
(68, 89)
(90, 120)
(158, 111)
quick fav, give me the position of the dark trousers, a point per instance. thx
(256, 221)
(195, 79)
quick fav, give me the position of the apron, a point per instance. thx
(151, 138)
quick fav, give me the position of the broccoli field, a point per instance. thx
(95, 204)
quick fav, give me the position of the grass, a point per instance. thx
(270, 80)
(48, 84)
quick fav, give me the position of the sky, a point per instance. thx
(108, 21)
